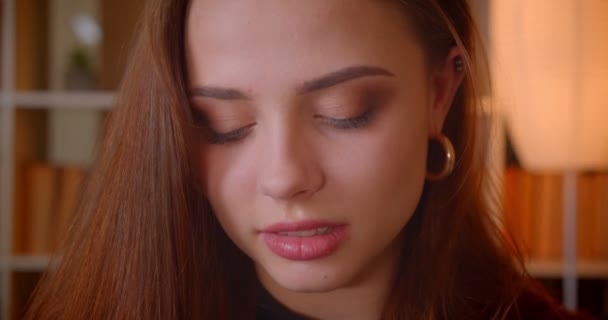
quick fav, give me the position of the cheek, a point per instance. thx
(401, 177)
(384, 171)
(228, 183)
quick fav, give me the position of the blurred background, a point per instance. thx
(62, 60)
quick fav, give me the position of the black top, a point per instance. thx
(532, 304)
(267, 308)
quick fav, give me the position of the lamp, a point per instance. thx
(557, 91)
(551, 74)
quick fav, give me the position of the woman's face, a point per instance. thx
(318, 115)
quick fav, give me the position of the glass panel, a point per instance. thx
(73, 44)
(74, 38)
(57, 44)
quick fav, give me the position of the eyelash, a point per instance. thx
(214, 137)
(350, 123)
(357, 122)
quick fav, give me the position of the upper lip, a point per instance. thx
(299, 226)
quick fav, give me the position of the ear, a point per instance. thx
(445, 81)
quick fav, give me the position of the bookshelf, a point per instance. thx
(40, 108)
(96, 100)
(28, 263)
(555, 269)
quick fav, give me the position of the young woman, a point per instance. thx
(284, 159)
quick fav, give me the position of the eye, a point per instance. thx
(214, 137)
(369, 101)
(357, 122)
(350, 123)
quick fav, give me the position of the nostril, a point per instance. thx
(290, 182)
(288, 167)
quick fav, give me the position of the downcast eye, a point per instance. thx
(359, 121)
(214, 137)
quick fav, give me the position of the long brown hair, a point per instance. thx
(145, 244)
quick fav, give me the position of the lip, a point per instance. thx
(299, 226)
(304, 248)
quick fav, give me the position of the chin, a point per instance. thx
(307, 277)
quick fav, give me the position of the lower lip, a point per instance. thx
(305, 248)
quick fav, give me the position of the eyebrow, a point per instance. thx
(329, 80)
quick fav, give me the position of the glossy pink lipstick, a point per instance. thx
(305, 240)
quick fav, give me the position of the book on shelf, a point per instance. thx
(41, 185)
(69, 193)
(533, 207)
(517, 202)
(588, 213)
(51, 196)
(547, 212)
(601, 241)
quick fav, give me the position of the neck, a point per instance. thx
(362, 299)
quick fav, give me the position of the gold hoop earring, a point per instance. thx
(450, 159)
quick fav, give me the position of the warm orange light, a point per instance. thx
(551, 77)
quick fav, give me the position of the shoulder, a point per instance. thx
(536, 303)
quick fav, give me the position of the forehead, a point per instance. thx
(292, 39)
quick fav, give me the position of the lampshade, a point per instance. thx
(550, 70)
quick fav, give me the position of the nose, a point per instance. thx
(289, 166)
